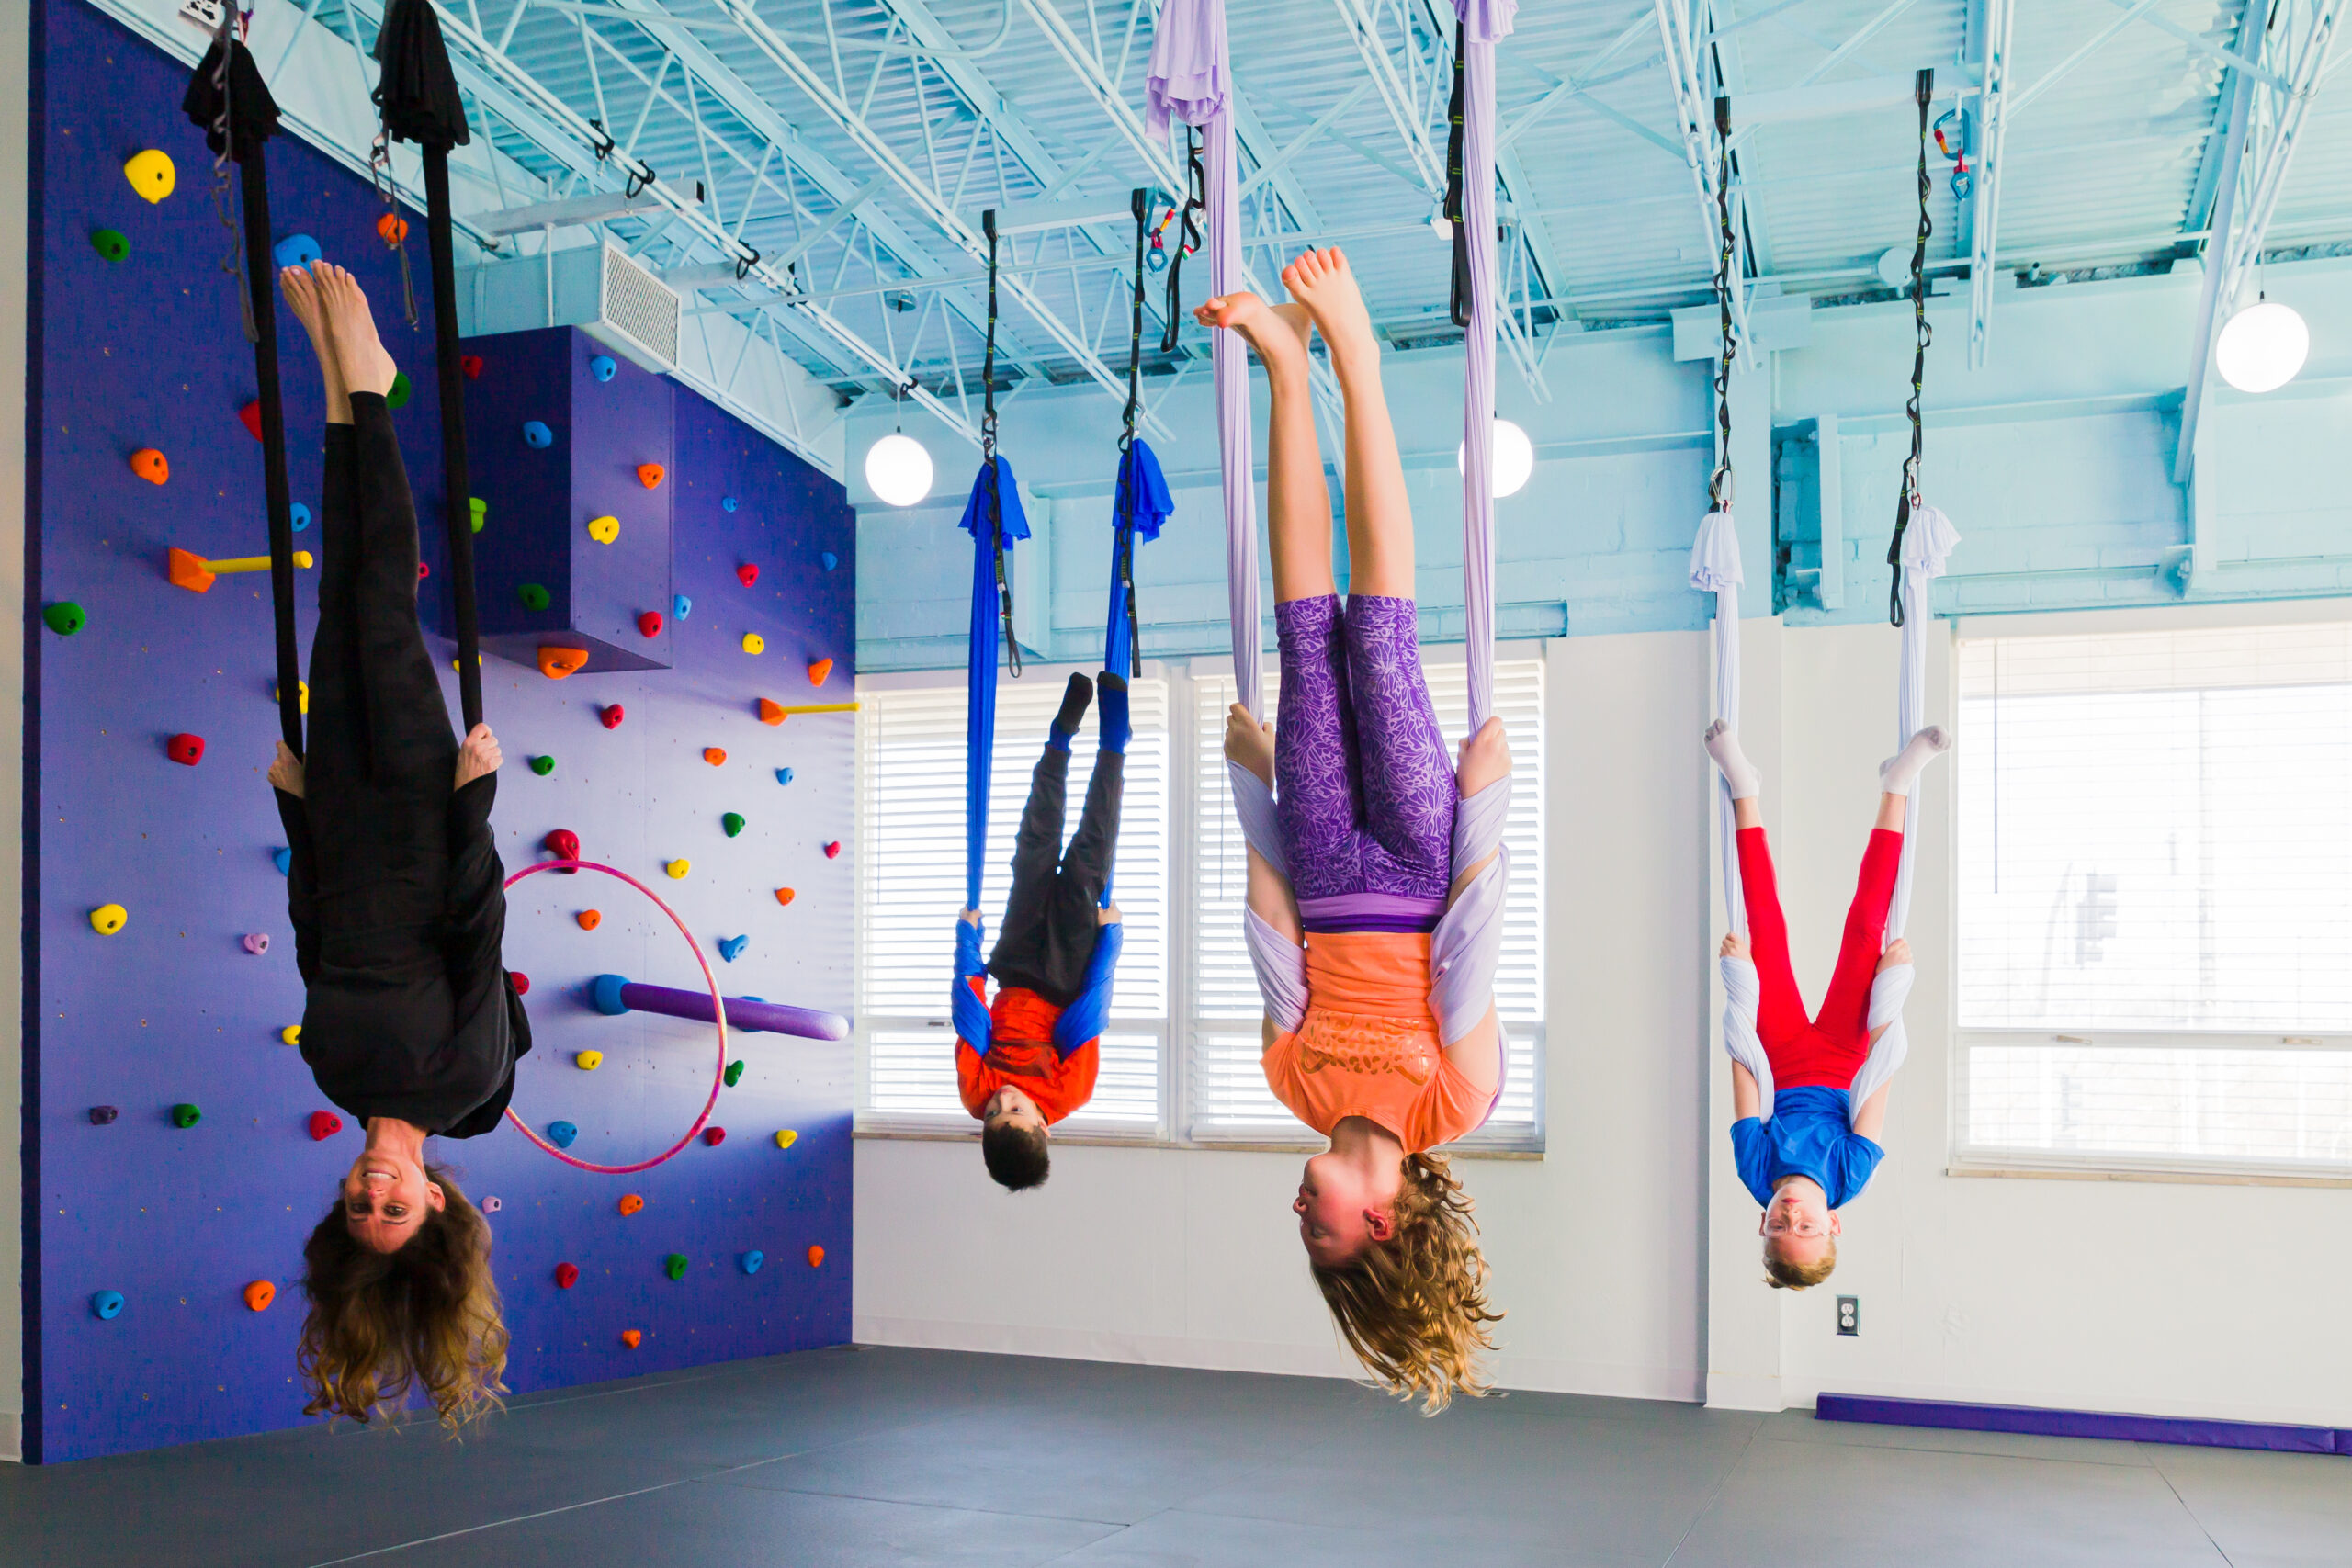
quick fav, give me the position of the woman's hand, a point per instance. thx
(477, 756)
(1735, 945)
(1249, 743)
(1107, 916)
(286, 771)
(1897, 953)
(1484, 757)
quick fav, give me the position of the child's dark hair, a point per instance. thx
(1018, 1158)
(1414, 1309)
(425, 1317)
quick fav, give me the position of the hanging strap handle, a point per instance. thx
(1923, 89)
(1124, 660)
(1720, 484)
(988, 455)
(1459, 296)
(1188, 238)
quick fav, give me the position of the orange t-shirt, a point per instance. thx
(1369, 1043)
(1059, 1083)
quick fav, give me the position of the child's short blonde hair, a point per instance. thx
(1783, 1275)
(1414, 1308)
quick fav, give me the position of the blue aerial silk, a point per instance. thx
(1142, 506)
(995, 482)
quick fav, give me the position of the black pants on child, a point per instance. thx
(1051, 919)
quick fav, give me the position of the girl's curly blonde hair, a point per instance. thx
(1414, 1308)
(426, 1317)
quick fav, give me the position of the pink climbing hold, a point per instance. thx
(833, 850)
(612, 716)
(324, 1124)
(257, 942)
(187, 750)
(747, 574)
(492, 1205)
(520, 981)
(714, 1136)
(650, 623)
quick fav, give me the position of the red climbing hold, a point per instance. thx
(324, 1124)
(650, 623)
(251, 415)
(472, 365)
(833, 850)
(612, 716)
(714, 1136)
(187, 750)
(564, 844)
(747, 574)
(423, 571)
(521, 982)
(566, 1276)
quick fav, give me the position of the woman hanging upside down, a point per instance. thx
(411, 1025)
(1373, 914)
(1802, 1143)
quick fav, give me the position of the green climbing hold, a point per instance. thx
(109, 243)
(398, 397)
(732, 823)
(185, 1115)
(675, 1266)
(533, 597)
(734, 1073)
(480, 511)
(542, 766)
(64, 618)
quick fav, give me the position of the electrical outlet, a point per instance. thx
(1849, 1316)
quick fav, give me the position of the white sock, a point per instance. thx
(1722, 745)
(1894, 775)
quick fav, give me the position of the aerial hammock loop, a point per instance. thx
(1188, 239)
(1923, 89)
(228, 99)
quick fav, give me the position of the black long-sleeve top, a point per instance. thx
(419, 1024)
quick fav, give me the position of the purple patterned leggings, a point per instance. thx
(1366, 789)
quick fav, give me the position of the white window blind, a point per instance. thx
(910, 885)
(1229, 1101)
(2155, 900)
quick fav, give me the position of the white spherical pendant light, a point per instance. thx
(1513, 458)
(898, 469)
(2262, 347)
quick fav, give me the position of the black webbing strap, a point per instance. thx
(1123, 544)
(1720, 484)
(1458, 300)
(1923, 87)
(456, 507)
(987, 457)
(1188, 235)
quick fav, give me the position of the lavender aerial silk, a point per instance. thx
(1483, 23)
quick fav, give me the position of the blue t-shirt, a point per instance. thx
(1807, 1135)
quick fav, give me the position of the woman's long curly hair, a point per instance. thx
(426, 1317)
(1414, 1308)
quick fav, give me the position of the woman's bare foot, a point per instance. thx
(366, 366)
(1249, 743)
(1322, 281)
(1277, 331)
(1897, 953)
(477, 756)
(301, 292)
(1486, 757)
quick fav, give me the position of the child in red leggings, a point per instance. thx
(1803, 1148)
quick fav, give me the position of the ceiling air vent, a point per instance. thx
(636, 313)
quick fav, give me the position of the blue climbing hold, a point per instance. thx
(295, 250)
(283, 859)
(560, 1133)
(537, 435)
(301, 515)
(784, 775)
(729, 504)
(682, 606)
(753, 1260)
(602, 367)
(731, 947)
(830, 560)
(107, 1305)
(604, 995)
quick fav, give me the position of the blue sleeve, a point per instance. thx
(1751, 1152)
(1858, 1157)
(1084, 1018)
(966, 1008)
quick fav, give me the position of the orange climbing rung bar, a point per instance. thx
(187, 569)
(776, 713)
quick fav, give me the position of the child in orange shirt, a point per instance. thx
(1029, 1060)
(1382, 1034)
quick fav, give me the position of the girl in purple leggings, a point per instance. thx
(1376, 881)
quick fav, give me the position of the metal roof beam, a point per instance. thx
(1694, 114)
(2238, 59)
(2061, 71)
(2252, 22)
(1990, 32)
(1730, 74)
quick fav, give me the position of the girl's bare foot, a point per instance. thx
(1322, 281)
(366, 366)
(1486, 757)
(1897, 953)
(1735, 946)
(1249, 743)
(1277, 331)
(301, 291)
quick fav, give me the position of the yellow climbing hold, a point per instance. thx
(151, 174)
(754, 643)
(291, 1035)
(589, 1061)
(302, 695)
(603, 530)
(678, 868)
(108, 918)
(787, 1138)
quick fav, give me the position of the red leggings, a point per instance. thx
(1829, 1049)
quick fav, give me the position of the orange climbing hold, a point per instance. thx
(391, 228)
(784, 894)
(589, 919)
(815, 1257)
(630, 1203)
(715, 755)
(632, 1337)
(555, 663)
(771, 712)
(818, 669)
(649, 475)
(150, 465)
(259, 1294)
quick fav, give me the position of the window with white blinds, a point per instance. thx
(1228, 1101)
(2155, 901)
(910, 886)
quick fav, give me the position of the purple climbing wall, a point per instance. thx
(146, 351)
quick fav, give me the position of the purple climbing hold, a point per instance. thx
(104, 1115)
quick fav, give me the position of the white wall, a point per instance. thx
(1627, 1258)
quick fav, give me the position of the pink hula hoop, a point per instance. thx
(719, 1009)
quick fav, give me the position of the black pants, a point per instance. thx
(1051, 919)
(381, 757)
